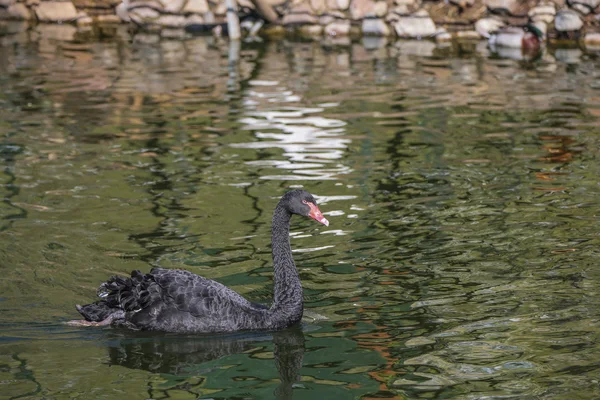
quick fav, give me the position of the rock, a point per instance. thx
(7, 3)
(172, 6)
(331, 17)
(543, 13)
(318, 6)
(361, 8)
(245, 4)
(496, 5)
(108, 19)
(171, 21)
(583, 6)
(510, 7)
(19, 11)
(485, 26)
(417, 25)
(209, 17)
(380, 9)
(463, 3)
(395, 14)
(196, 6)
(54, 11)
(299, 15)
(339, 28)
(375, 27)
(31, 3)
(408, 3)
(220, 9)
(443, 36)
(195, 19)
(592, 40)
(468, 35)
(311, 30)
(567, 20)
(122, 13)
(343, 4)
(85, 21)
(143, 15)
(96, 5)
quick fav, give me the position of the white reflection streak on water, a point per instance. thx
(312, 144)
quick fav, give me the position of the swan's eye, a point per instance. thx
(304, 201)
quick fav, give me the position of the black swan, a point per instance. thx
(179, 301)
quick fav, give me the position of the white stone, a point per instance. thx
(463, 3)
(220, 9)
(468, 35)
(415, 26)
(318, 6)
(375, 27)
(485, 26)
(209, 17)
(501, 4)
(442, 37)
(54, 11)
(361, 8)
(196, 6)
(585, 6)
(171, 21)
(567, 20)
(415, 3)
(380, 9)
(173, 6)
(143, 15)
(122, 13)
(300, 15)
(108, 19)
(19, 11)
(84, 21)
(592, 39)
(543, 13)
(343, 4)
(339, 28)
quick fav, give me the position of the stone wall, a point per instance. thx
(440, 20)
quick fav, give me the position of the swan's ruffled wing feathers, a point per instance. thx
(199, 296)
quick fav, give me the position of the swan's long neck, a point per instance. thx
(288, 305)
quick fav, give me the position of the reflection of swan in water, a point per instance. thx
(184, 356)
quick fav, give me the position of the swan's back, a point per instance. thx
(173, 301)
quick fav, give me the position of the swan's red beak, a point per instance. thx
(316, 214)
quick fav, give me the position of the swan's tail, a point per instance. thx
(119, 295)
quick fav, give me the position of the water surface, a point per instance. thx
(462, 189)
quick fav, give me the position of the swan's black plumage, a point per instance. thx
(180, 301)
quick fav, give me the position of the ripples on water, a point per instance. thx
(461, 188)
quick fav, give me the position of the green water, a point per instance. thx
(462, 189)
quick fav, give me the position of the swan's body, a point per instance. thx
(179, 301)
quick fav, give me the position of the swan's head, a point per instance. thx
(303, 203)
